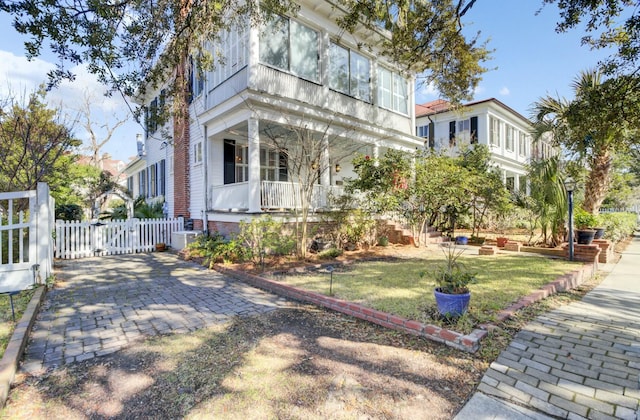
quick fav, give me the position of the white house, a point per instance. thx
(296, 76)
(504, 131)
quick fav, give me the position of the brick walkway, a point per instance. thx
(580, 361)
(101, 305)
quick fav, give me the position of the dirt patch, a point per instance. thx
(301, 362)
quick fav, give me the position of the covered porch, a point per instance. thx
(261, 165)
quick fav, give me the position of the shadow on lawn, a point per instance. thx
(300, 363)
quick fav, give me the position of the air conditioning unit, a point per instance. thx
(181, 238)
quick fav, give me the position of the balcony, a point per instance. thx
(274, 195)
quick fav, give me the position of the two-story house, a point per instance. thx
(490, 122)
(298, 79)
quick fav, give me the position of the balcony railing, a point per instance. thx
(274, 195)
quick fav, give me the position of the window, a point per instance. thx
(152, 116)
(452, 133)
(142, 183)
(197, 152)
(473, 137)
(269, 160)
(290, 46)
(522, 144)
(130, 184)
(230, 57)
(392, 91)
(197, 79)
(423, 131)
(494, 134)
(162, 178)
(349, 72)
(511, 133)
(152, 177)
(273, 165)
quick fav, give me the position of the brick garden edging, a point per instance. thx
(17, 343)
(469, 343)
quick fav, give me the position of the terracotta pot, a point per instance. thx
(502, 241)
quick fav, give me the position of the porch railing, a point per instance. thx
(273, 195)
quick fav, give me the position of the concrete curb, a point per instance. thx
(469, 343)
(13, 353)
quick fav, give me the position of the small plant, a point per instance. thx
(584, 220)
(329, 254)
(453, 277)
(265, 238)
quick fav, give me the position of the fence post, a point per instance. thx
(43, 229)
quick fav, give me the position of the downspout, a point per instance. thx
(205, 221)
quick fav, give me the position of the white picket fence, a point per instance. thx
(87, 239)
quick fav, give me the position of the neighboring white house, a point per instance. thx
(295, 73)
(504, 131)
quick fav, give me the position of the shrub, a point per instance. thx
(618, 225)
(69, 212)
(329, 254)
(264, 238)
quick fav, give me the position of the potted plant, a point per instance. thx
(584, 222)
(598, 228)
(452, 284)
(161, 246)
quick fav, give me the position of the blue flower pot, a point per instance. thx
(461, 240)
(452, 305)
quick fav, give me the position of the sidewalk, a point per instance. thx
(579, 361)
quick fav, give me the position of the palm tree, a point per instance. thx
(600, 121)
(549, 198)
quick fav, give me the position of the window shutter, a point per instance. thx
(474, 130)
(229, 161)
(432, 129)
(452, 133)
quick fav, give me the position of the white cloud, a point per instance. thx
(19, 77)
(504, 91)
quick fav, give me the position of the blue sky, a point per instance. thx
(530, 61)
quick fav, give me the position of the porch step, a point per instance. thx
(404, 236)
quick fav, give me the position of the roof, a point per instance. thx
(440, 105)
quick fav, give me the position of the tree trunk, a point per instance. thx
(598, 181)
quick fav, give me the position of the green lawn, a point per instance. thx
(20, 302)
(397, 287)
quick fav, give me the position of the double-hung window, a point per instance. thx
(290, 46)
(522, 144)
(349, 72)
(511, 133)
(494, 133)
(392, 91)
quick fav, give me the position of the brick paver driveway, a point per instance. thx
(100, 305)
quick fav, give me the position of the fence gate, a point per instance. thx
(26, 248)
(75, 239)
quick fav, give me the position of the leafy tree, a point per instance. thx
(131, 43)
(605, 29)
(35, 145)
(602, 120)
(426, 186)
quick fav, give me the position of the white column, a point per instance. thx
(44, 245)
(516, 182)
(325, 163)
(254, 166)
